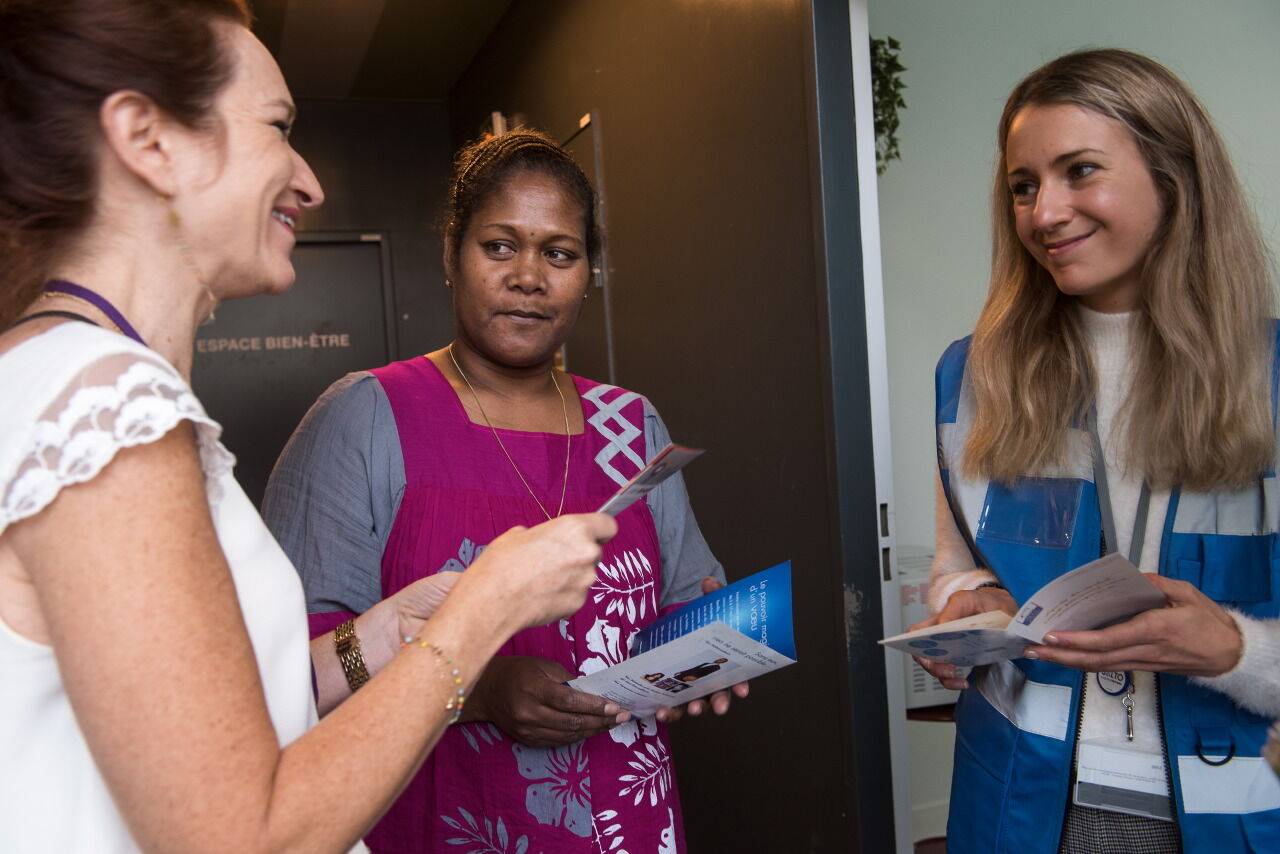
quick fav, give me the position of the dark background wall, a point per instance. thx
(384, 166)
(704, 115)
(735, 287)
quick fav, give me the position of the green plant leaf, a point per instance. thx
(886, 99)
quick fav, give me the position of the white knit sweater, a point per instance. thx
(1253, 683)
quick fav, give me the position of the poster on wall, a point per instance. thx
(263, 361)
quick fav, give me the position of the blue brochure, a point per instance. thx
(759, 606)
(738, 633)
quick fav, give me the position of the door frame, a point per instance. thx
(388, 282)
(847, 244)
(590, 120)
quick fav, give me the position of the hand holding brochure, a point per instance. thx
(1098, 594)
(669, 460)
(736, 633)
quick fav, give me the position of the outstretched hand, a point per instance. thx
(961, 604)
(1191, 636)
(718, 701)
(531, 576)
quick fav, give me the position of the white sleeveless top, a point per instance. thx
(73, 396)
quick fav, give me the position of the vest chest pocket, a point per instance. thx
(1033, 511)
(1237, 570)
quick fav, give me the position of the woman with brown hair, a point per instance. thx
(157, 677)
(1118, 394)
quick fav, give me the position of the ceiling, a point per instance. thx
(375, 48)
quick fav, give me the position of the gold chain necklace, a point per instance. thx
(567, 438)
(47, 295)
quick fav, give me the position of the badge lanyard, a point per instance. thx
(1108, 777)
(1111, 543)
(1117, 683)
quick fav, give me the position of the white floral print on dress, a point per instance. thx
(490, 839)
(652, 777)
(628, 585)
(605, 640)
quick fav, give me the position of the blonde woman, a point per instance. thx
(1118, 394)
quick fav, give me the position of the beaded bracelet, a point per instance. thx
(459, 698)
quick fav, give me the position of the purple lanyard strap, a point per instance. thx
(95, 299)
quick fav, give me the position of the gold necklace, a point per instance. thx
(47, 295)
(567, 438)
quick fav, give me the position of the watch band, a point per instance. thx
(347, 646)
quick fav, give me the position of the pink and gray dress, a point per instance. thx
(387, 481)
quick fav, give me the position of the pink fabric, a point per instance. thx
(480, 790)
(327, 621)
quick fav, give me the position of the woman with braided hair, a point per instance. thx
(407, 471)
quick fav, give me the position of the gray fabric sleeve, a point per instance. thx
(334, 493)
(686, 557)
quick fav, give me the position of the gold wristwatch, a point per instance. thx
(347, 645)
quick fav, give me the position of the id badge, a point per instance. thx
(1114, 682)
(1121, 779)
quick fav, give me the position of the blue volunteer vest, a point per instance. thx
(1016, 725)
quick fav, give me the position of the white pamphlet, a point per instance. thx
(1098, 594)
(707, 660)
(669, 460)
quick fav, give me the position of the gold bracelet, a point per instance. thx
(459, 697)
(347, 646)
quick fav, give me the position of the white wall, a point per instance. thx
(962, 58)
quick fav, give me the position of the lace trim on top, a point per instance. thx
(117, 402)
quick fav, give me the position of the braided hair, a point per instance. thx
(482, 168)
